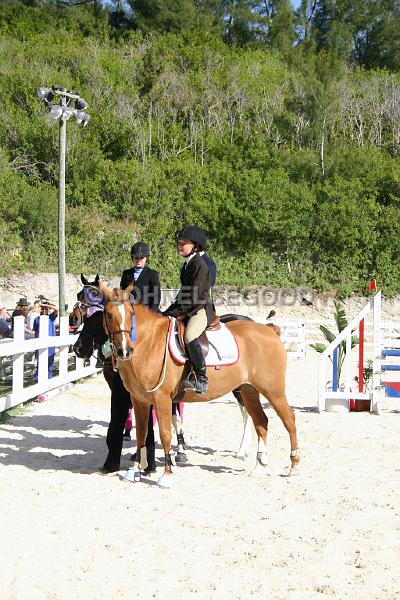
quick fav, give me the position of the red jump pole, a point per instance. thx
(361, 357)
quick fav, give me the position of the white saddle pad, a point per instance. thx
(223, 340)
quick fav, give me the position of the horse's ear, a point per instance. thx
(130, 288)
(84, 280)
(96, 281)
(103, 288)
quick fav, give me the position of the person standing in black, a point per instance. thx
(147, 291)
(147, 288)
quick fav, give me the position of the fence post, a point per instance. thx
(18, 359)
(43, 353)
(63, 350)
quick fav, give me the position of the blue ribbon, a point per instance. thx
(133, 330)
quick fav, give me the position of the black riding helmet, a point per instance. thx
(140, 249)
(194, 234)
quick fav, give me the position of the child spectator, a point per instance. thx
(46, 308)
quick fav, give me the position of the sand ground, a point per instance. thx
(68, 532)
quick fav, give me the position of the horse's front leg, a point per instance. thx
(141, 418)
(163, 408)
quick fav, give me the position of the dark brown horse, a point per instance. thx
(153, 377)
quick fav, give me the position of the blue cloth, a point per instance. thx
(133, 330)
(212, 267)
(136, 272)
(5, 329)
(52, 333)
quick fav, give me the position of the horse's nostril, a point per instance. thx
(120, 352)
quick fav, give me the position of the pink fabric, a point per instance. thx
(128, 422)
(91, 310)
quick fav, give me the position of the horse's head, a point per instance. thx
(118, 319)
(91, 337)
(76, 316)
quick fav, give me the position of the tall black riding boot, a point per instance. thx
(199, 366)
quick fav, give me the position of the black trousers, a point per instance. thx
(120, 405)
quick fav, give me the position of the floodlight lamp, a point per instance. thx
(81, 104)
(55, 111)
(80, 116)
(45, 94)
(67, 113)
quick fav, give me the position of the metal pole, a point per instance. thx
(61, 216)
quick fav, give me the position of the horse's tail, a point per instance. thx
(275, 328)
(271, 314)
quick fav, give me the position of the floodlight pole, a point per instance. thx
(61, 213)
(65, 97)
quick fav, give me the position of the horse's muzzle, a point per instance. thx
(78, 349)
(123, 354)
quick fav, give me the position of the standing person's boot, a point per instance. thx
(151, 460)
(200, 383)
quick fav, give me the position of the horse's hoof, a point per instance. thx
(259, 470)
(262, 459)
(180, 457)
(165, 482)
(294, 471)
(133, 475)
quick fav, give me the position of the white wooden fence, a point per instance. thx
(15, 351)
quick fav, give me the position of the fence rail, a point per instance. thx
(14, 353)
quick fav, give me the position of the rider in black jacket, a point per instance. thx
(193, 302)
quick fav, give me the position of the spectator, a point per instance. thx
(47, 308)
(5, 329)
(22, 310)
(3, 312)
(33, 313)
(23, 305)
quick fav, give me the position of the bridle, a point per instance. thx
(111, 334)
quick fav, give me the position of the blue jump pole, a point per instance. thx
(335, 370)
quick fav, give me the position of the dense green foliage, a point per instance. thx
(278, 132)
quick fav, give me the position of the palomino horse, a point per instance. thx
(153, 377)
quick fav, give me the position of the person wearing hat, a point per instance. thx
(22, 310)
(22, 305)
(146, 290)
(193, 302)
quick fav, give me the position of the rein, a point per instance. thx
(164, 369)
(119, 330)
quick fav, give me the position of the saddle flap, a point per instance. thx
(181, 337)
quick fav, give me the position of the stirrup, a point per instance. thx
(189, 383)
(201, 386)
